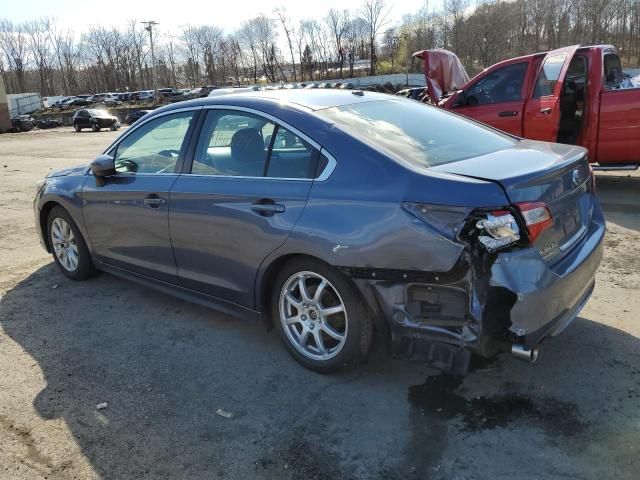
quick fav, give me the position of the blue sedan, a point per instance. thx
(334, 214)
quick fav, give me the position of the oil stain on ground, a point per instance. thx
(438, 398)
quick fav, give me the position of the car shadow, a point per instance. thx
(165, 367)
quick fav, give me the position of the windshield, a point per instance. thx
(415, 133)
(98, 113)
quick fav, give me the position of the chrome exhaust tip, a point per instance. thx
(521, 353)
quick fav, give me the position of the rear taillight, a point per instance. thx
(537, 218)
(498, 230)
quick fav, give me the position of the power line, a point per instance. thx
(149, 28)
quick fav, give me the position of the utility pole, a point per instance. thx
(149, 28)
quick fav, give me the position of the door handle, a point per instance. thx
(545, 111)
(508, 113)
(154, 201)
(267, 208)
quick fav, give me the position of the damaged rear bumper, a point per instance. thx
(485, 307)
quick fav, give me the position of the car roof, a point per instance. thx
(311, 99)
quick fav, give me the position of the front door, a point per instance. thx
(497, 99)
(127, 214)
(542, 110)
(246, 189)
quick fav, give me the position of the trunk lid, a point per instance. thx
(555, 174)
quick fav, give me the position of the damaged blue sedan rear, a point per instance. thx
(336, 214)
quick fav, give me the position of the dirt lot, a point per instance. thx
(165, 366)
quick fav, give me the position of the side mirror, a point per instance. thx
(461, 99)
(103, 166)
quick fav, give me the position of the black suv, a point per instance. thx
(94, 119)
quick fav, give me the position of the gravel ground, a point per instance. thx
(165, 367)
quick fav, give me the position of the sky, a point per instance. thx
(77, 15)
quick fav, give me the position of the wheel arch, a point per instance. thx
(45, 210)
(266, 279)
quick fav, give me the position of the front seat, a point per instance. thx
(248, 153)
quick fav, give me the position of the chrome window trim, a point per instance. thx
(324, 175)
(139, 124)
(328, 170)
(276, 120)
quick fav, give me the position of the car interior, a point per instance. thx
(572, 101)
(239, 145)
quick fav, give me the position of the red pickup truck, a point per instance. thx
(571, 95)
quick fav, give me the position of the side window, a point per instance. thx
(291, 156)
(548, 76)
(233, 143)
(501, 85)
(612, 70)
(155, 147)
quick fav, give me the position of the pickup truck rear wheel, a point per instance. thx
(69, 250)
(320, 316)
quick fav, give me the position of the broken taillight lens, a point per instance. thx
(537, 218)
(498, 230)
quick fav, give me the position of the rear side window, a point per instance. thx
(235, 143)
(548, 76)
(291, 156)
(414, 133)
(612, 70)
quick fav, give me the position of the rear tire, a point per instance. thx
(324, 331)
(95, 127)
(68, 248)
(77, 127)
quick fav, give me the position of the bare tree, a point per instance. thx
(374, 13)
(338, 23)
(288, 31)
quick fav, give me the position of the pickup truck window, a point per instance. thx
(548, 76)
(502, 85)
(612, 70)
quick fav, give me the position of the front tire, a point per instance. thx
(320, 316)
(95, 127)
(69, 250)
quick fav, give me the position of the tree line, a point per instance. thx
(40, 56)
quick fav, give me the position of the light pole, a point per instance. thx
(149, 28)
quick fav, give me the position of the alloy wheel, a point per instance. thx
(313, 316)
(64, 244)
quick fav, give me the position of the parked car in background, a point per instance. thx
(414, 93)
(145, 95)
(98, 97)
(330, 213)
(133, 117)
(572, 95)
(46, 123)
(232, 90)
(111, 98)
(95, 119)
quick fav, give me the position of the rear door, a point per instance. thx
(497, 98)
(245, 190)
(619, 122)
(542, 110)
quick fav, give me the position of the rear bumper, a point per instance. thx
(519, 298)
(549, 297)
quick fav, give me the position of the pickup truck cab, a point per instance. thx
(571, 95)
